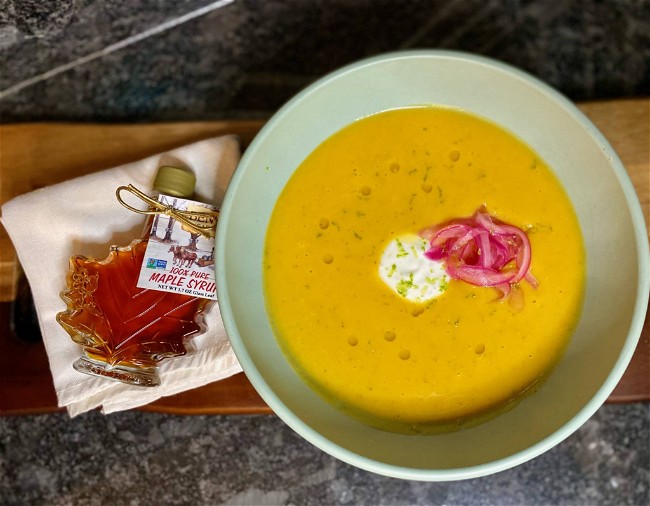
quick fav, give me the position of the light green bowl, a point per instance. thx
(611, 219)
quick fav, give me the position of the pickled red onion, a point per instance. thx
(482, 251)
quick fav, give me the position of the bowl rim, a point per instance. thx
(339, 452)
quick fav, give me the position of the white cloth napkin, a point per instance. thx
(82, 216)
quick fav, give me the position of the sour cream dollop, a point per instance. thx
(410, 274)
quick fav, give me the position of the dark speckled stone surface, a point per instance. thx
(153, 60)
(142, 458)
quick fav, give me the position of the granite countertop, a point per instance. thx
(144, 458)
(149, 60)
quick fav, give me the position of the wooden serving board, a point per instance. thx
(40, 154)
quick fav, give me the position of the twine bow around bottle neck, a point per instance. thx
(198, 222)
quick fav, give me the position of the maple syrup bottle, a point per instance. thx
(124, 330)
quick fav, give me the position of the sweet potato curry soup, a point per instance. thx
(423, 269)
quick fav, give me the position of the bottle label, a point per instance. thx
(178, 259)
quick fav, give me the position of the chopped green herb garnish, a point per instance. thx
(405, 284)
(400, 248)
(426, 173)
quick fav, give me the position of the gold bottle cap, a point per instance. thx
(175, 181)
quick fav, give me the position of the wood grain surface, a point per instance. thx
(36, 155)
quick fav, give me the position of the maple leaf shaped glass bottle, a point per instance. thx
(124, 330)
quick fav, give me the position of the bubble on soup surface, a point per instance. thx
(479, 349)
(365, 190)
(454, 155)
(417, 311)
(327, 258)
(353, 341)
(324, 223)
(394, 167)
(389, 335)
(404, 354)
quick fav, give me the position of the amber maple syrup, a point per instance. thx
(125, 330)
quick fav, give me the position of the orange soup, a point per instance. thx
(418, 366)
